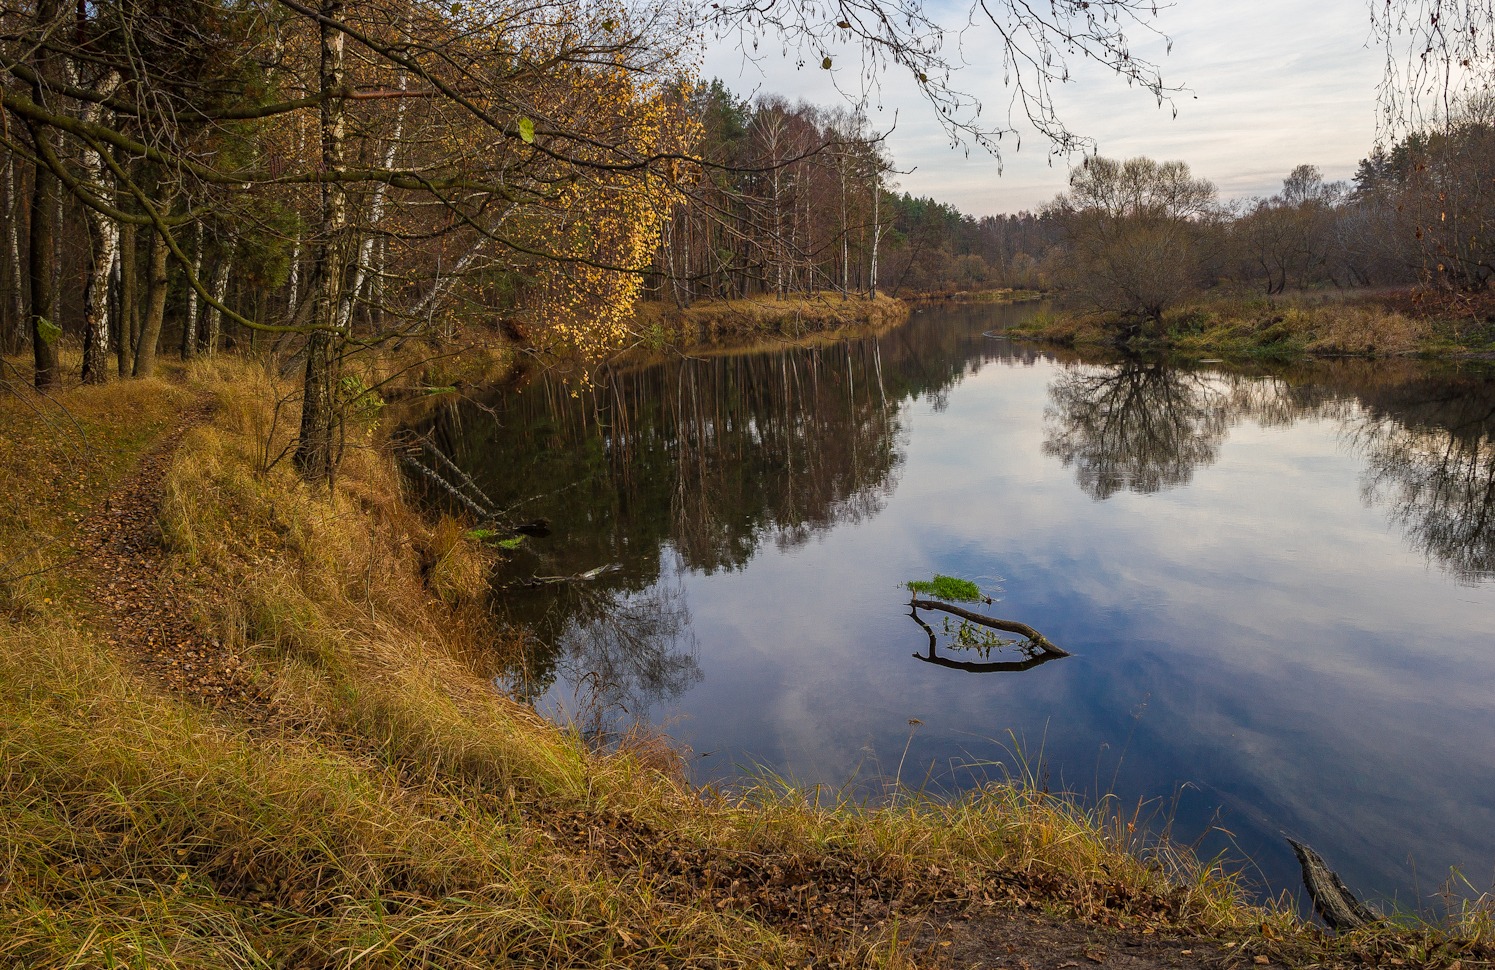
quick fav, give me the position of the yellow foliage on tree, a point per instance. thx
(606, 215)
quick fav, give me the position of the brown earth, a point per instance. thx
(128, 580)
(1019, 940)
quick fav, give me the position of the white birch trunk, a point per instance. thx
(376, 204)
(190, 324)
(213, 317)
(104, 239)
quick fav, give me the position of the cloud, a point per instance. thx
(1271, 85)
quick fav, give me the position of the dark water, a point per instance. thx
(1278, 584)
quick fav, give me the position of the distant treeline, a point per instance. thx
(798, 199)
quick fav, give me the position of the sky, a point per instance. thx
(1270, 84)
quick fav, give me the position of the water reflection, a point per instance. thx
(623, 654)
(1428, 443)
(684, 465)
(1138, 425)
(1430, 460)
(758, 509)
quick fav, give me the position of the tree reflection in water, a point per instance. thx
(621, 654)
(696, 465)
(686, 465)
(1137, 426)
(1428, 442)
(1430, 459)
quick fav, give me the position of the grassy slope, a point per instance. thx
(391, 809)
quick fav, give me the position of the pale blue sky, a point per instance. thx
(1273, 83)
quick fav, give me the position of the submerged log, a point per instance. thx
(1332, 899)
(585, 577)
(1007, 626)
(1037, 658)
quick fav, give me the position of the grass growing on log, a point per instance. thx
(946, 588)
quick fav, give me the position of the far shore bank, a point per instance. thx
(995, 295)
(716, 324)
(1372, 324)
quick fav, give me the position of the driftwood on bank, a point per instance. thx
(1007, 626)
(1332, 899)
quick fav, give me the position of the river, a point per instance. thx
(1277, 582)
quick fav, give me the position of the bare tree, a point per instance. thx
(1290, 238)
(1133, 230)
(1035, 44)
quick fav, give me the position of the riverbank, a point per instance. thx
(1348, 324)
(997, 295)
(714, 323)
(301, 761)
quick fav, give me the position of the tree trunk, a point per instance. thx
(104, 246)
(129, 296)
(189, 324)
(377, 205)
(13, 336)
(46, 197)
(213, 324)
(876, 234)
(155, 306)
(96, 299)
(42, 258)
(316, 457)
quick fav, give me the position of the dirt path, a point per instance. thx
(134, 595)
(1025, 940)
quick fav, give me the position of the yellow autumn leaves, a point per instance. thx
(606, 221)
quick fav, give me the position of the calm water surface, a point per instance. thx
(1278, 584)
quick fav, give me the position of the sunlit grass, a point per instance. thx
(60, 454)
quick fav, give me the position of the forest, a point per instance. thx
(183, 177)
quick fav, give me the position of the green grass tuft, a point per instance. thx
(946, 588)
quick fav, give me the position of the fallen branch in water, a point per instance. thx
(1007, 626)
(429, 473)
(587, 576)
(1036, 658)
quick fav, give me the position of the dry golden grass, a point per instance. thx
(60, 454)
(1001, 294)
(706, 322)
(136, 833)
(1319, 327)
